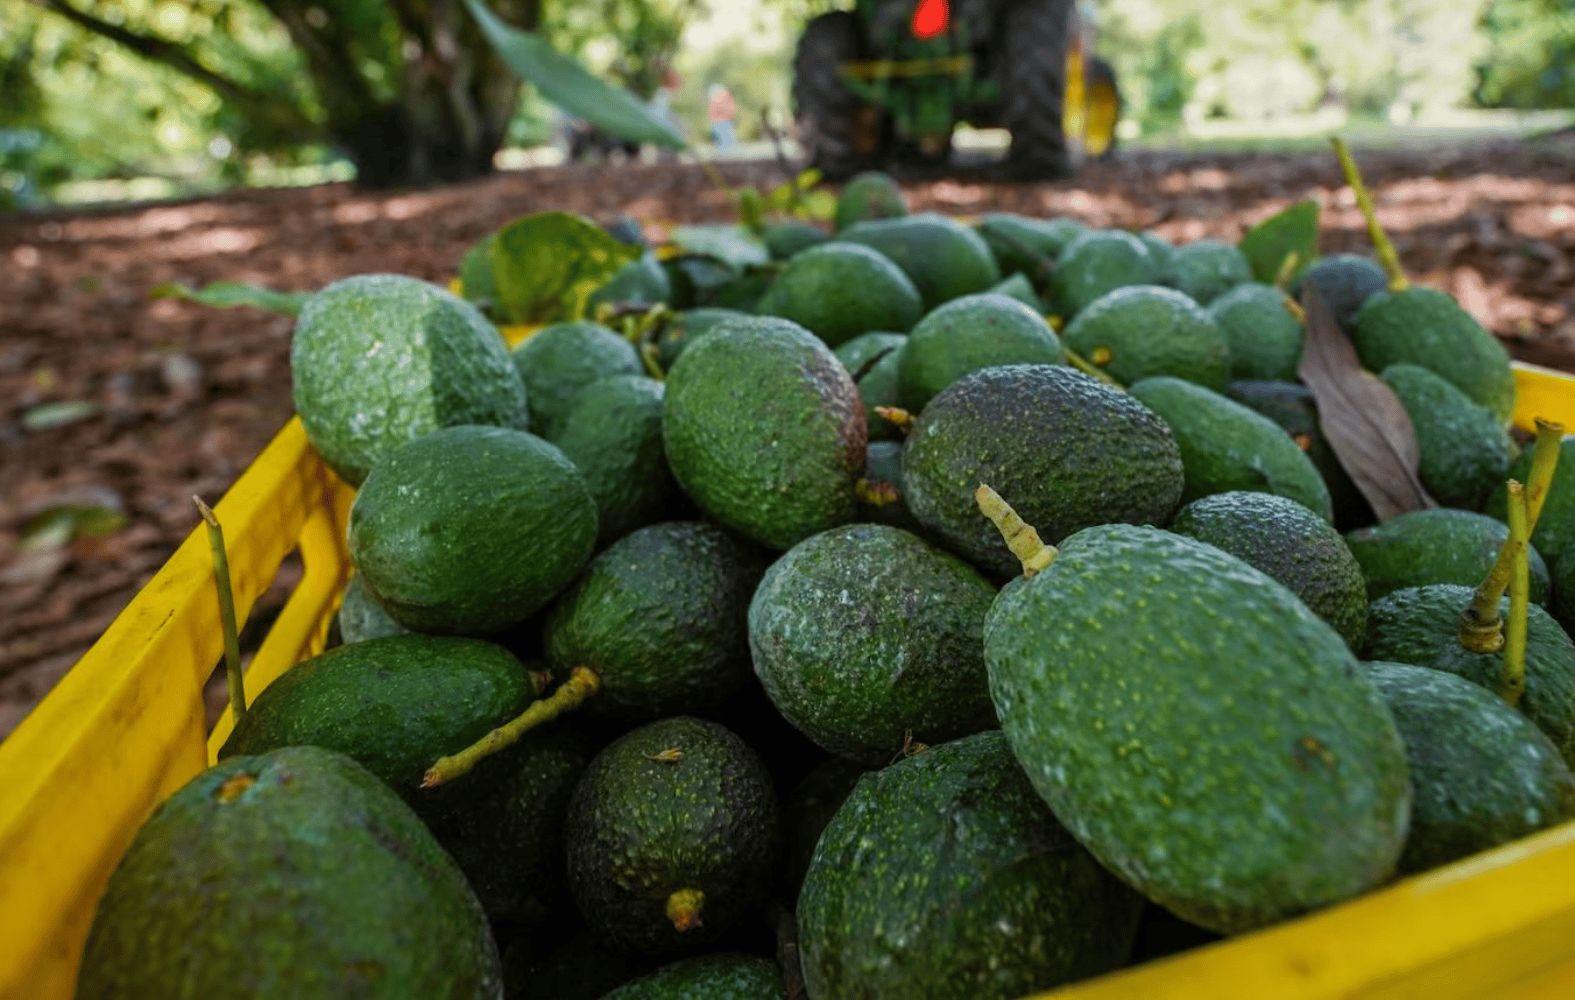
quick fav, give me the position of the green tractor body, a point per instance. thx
(888, 82)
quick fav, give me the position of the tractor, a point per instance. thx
(885, 84)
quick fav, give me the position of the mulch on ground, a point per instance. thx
(185, 395)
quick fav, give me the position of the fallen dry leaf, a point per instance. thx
(1361, 417)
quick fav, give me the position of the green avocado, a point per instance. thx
(872, 360)
(661, 617)
(1207, 737)
(1023, 244)
(379, 359)
(1204, 270)
(1227, 446)
(1482, 774)
(1293, 407)
(1441, 545)
(839, 290)
(471, 529)
(613, 435)
(765, 430)
(1262, 339)
(1465, 451)
(1345, 281)
(724, 976)
(1017, 287)
(476, 283)
(866, 636)
(1290, 543)
(227, 892)
(1095, 263)
(943, 257)
(1158, 247)
(1427, 327)
(1063, 448)
(966, 334)
(640, 282)
(869, 195)
(786, 240)
(1139, 331)
(945, 876)
(560, 360)
(1421, 626)
(672, 835)
(395, 704)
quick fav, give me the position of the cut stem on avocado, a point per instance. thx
(582, 683)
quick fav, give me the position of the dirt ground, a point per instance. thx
(183, 396)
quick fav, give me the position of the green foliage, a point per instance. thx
(547, 265)
(1268, 244)
(225, 294)
(1531, 59)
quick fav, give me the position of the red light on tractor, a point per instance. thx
(930, 18)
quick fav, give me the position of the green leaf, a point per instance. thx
(48, 416)
(566, 83)
(546, 266)
(1267, 244)
(235, 293)
(734, 244)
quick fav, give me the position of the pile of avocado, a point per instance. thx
(688, 658)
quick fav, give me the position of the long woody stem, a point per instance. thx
(1381, 244)
(1020, 537)
(1512, 678)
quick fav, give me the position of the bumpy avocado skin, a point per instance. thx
(1211, 740)
(944, 258)
(646, 822)
(1345, 281)
(967, 334)
(227, 891)
(765, 430)
(380, 359)
(1064, 449)
(723, 976)
(1096, 263)
(613, 435)
(1227, 446)
(1421, 625)
(1204, 270)
(1293, 407)
(1442, 545)
(471, 529)
(559, 361)
(1290, 543)
(1481, 773)
(1427, 327)
(395, 704)
(1465, 452)
(866, 635)
(504, 827)
(945, 876)
(661, 617)
(839, 290)
(1147, 330)
(1262, 339)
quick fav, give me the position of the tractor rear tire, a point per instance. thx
(1034, 88)
(839, 131)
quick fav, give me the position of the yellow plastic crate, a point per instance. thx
(125, 728)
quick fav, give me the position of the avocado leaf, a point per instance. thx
(1267, 244)
(234, 293)
(570, 86)
(546, 266)
(734, 244)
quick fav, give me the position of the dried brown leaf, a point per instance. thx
(1361, 417)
